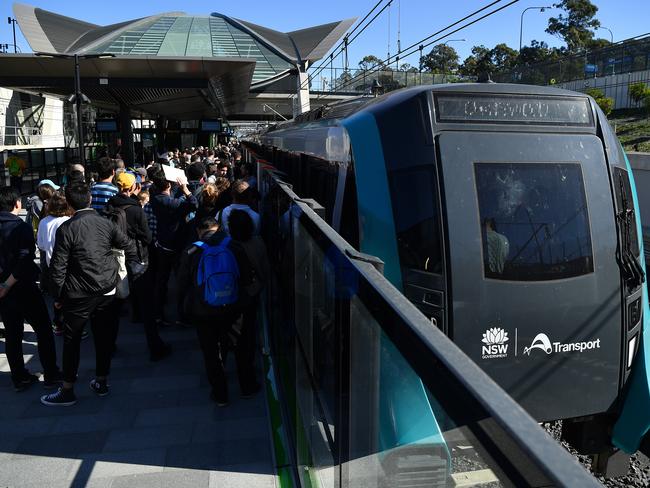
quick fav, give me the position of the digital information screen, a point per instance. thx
(514, 109)
(208, 125)
(106, 125)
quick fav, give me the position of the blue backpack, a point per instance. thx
(218, 274)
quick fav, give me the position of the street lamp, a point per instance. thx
(454, 40)
(611, 34)
(521, 23)
(78, 98)
(13, 24)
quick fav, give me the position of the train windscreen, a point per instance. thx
(511, 109)
(534, 221)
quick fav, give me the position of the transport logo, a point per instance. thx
(494, 343)
(541, 341)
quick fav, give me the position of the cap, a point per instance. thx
(125, 180)
(49, 183)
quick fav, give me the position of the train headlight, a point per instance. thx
(631, 349)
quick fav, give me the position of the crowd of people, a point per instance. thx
(118, 237)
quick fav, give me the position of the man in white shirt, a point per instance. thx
(240, 199)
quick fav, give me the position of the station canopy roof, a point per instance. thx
(204, 64)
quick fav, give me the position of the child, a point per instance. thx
(143, 197)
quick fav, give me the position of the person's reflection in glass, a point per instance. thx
(498, 247)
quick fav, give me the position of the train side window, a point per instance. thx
(534, 221)
(414, 199)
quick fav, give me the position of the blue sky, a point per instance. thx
(418, 19)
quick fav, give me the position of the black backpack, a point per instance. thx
(118, 216)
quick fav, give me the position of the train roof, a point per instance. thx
(341, 110)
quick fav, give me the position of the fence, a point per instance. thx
(623, 57)
(363, 81)
(373, 394)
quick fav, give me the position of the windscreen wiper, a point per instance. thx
(633, 273)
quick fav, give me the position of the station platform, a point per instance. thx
(156, 428)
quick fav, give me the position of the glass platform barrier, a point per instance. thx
(372, 395)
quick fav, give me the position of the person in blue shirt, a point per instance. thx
(171, 214)
(102, 191)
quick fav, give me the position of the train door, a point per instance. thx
(416, 213)
(534, 280)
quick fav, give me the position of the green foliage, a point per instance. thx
(408, 68)
(442, 59)
(638, 92)
(646, 101)
(606, 104)
(370, 62)
(499, 59)
(576, 25)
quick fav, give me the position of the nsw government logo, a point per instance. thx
(494, 343)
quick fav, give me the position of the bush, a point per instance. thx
(606, 104)
(638, 92)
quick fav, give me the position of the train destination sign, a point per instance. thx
(514, 109)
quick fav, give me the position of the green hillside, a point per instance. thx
(632, 128)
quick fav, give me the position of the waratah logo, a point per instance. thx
(541, 341)
(494, 341)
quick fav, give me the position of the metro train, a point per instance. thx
(508, 215)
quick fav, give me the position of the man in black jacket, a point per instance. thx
(213, 324)
(20, 298)
(141, 287)
(84, 274)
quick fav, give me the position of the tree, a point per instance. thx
(503, 57)
(638, 92)
(576, 26)
(606, 104)
(408, 68)
(480, 61)
(343, 80)
(538, 52)
(369, 62)
(442, 59)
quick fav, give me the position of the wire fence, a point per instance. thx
(623, 57)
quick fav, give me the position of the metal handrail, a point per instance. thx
(427, 344)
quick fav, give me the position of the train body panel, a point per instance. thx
(504, 213)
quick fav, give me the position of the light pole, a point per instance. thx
(611, 34)
(521, 23)
(454, 40)
(78, 97)
(13, 24)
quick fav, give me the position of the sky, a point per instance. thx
(413, 19)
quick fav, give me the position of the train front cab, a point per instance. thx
(514, 221)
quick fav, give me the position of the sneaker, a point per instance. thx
(26, 382)
(60, 398)
(162, 323)
(99, 387)
(220, 401)
(84, 334)
(161, 353)
(57, 329)
(53, 380)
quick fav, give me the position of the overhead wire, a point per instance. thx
(423, 41)
(343, 45)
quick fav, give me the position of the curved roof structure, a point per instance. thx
(177, 34)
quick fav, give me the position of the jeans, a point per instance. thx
(141, 293)
(77, 311)
(24, 301)
(164, 264)
(213, 335)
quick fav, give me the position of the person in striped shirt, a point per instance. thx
(102, 191)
